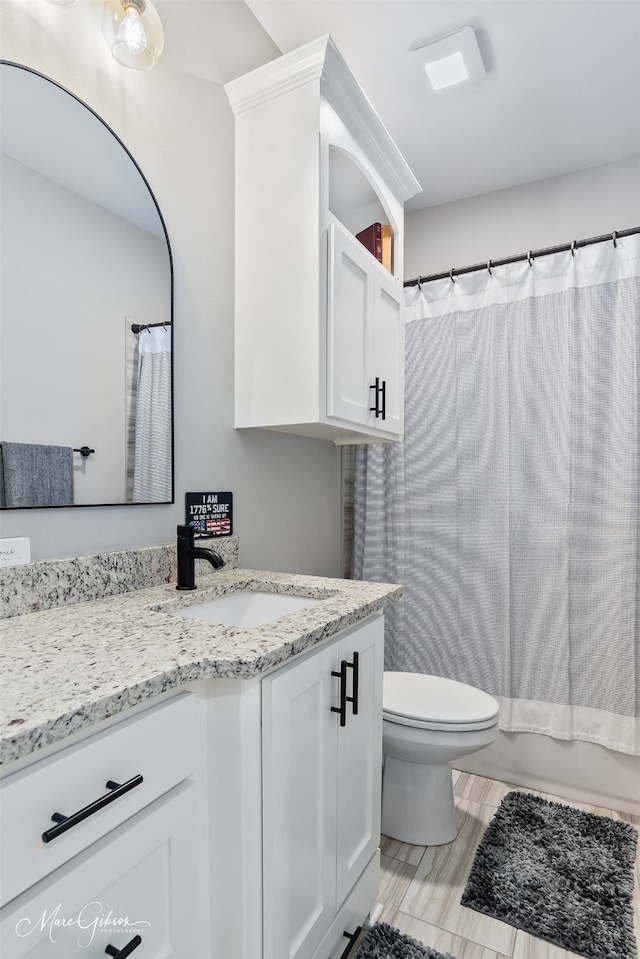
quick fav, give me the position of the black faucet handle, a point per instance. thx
(185, 548)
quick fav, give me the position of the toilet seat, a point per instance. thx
(433, 702)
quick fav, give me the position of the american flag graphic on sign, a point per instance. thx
(221, 527)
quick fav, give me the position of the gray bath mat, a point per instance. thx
(384, 942)
(558, 873)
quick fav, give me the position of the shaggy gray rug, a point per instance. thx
(384, 942)
(558, 873)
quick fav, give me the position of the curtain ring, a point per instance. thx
(451, 276)
(614, 237)
(530, 258)
(489, 267)
(419, 284)
(573, 248)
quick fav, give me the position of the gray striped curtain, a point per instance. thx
(511, 511)
(131, 400)
(152, 477)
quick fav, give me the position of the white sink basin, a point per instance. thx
(247, 609)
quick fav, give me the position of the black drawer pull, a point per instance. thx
(126, 950)
(355, 666)
(342, 708)
(352, 937)
(67, 822)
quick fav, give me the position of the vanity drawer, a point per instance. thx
(147, 754)
(143, 880)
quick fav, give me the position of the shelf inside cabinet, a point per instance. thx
(354, 201)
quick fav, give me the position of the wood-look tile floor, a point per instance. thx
(421, 886)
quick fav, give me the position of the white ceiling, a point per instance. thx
(562, 91)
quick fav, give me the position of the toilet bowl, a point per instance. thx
(428, 721)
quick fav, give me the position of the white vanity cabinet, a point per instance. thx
(322, 762)
(319, 334)
(234, 819)
(129, 871)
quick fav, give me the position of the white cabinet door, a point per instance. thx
(299, 789)
(321, 781)
(142, 880)
(350, 337)
(365, 337)
(360, 756)
(388, 352)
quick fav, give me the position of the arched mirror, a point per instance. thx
(86, 309)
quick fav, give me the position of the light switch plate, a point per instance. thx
(15, 551)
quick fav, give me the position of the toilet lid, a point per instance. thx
(415, 699)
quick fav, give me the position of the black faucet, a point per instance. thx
(188, 553)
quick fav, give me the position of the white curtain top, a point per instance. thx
(590, 265)
(157, 339)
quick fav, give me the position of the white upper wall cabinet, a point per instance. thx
(319, 347)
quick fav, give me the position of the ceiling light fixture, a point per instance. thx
(133, 31)
(453, 59)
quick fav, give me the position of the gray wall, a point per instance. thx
(536, 215)
(177, 123)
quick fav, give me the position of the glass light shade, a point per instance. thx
(133, 31)
(63, 3)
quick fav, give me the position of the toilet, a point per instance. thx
(428, 721)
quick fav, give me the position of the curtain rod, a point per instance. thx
(531, 255)
(139, 327)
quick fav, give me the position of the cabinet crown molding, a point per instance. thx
(320, 61)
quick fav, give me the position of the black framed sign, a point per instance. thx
(210, 514)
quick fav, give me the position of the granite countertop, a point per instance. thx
(67, 668)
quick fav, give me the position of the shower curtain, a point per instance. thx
(153, 454)
(511, 510)
(131, 400)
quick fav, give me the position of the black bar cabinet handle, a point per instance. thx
(67, 822)
(353, 699)
(375, 386)
(352, 937)
(380, 409)
(126, 950)
(342, 708)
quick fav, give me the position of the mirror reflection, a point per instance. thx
(85, 309)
